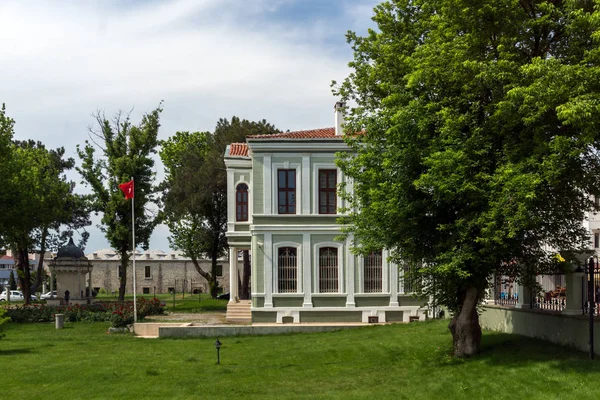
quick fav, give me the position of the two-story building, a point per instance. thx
(283, 206)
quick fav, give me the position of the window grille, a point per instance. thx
(373, 273)
(328, 270)
(327, 191)
(408, 278)
(241, 202)
(286, 191)
(287, 270)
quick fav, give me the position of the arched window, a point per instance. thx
(241, 202)
(373, 272)
(287, 270)
(328, 270)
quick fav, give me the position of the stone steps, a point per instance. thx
(239, 312)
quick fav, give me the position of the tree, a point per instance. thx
(125, 152)
(37, 199)
(481, 141)
(12, 283)
(195, 190)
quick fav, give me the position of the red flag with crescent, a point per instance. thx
(127, 189)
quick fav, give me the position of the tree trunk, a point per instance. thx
(465, 329)
(122, 281)
(40, 266)
(22, 264)
(210, 278)
(212, 283)
(123, 274)
(245, 293)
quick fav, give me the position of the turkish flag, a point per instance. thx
(127, 189)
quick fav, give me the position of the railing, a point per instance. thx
(506, 300)
(549, 303)
(586, 309)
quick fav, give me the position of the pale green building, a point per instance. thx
(283, 207)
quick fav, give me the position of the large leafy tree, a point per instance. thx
(118, 151)
(37, 201)
(195, 190)
(480, 144)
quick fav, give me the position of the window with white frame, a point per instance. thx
(373, 272)
(327, 191)
(287, 270)
(241, 202)
(286, 191)
(408, 279)
(328, 270)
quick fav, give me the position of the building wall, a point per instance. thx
(165, 275)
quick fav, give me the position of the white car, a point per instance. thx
(16, 295)
(48, 295)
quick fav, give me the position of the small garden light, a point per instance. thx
(218, 347)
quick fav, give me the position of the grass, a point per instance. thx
(188, 303)
(375, 362)
(181, 303)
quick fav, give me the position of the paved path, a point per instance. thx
(208, 318)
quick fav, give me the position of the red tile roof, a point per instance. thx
(238, 149)
(241, 149)
(323, 133)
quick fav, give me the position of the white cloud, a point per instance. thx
(207, 59)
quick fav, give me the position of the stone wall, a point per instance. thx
(164, 275)
(568, 330)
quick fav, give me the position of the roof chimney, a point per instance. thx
(339, 118)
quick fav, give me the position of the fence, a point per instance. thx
(552, 294)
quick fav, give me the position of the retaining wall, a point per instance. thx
(568, 330)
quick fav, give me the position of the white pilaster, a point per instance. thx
(233, 281)
(268, 270)
(393, 268)
(574, 294)
(230, 203)
(350, 275)
(79, 291)
(267, 185)
(385, 272)
(523, 297)
(306, 270)
(306, 187)
(52, 285)
(90, 294)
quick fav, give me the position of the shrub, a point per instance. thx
(3, 319)
(119, 314)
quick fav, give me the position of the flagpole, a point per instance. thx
(133, 239)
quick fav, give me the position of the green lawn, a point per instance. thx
(376, 362)
(183, 303)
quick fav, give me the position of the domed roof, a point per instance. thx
(70, 251)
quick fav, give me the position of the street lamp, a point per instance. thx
(218, 347)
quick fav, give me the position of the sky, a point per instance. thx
(62, 61)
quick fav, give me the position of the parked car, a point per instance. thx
(48, 295)
(224, 296)
(15, 295)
